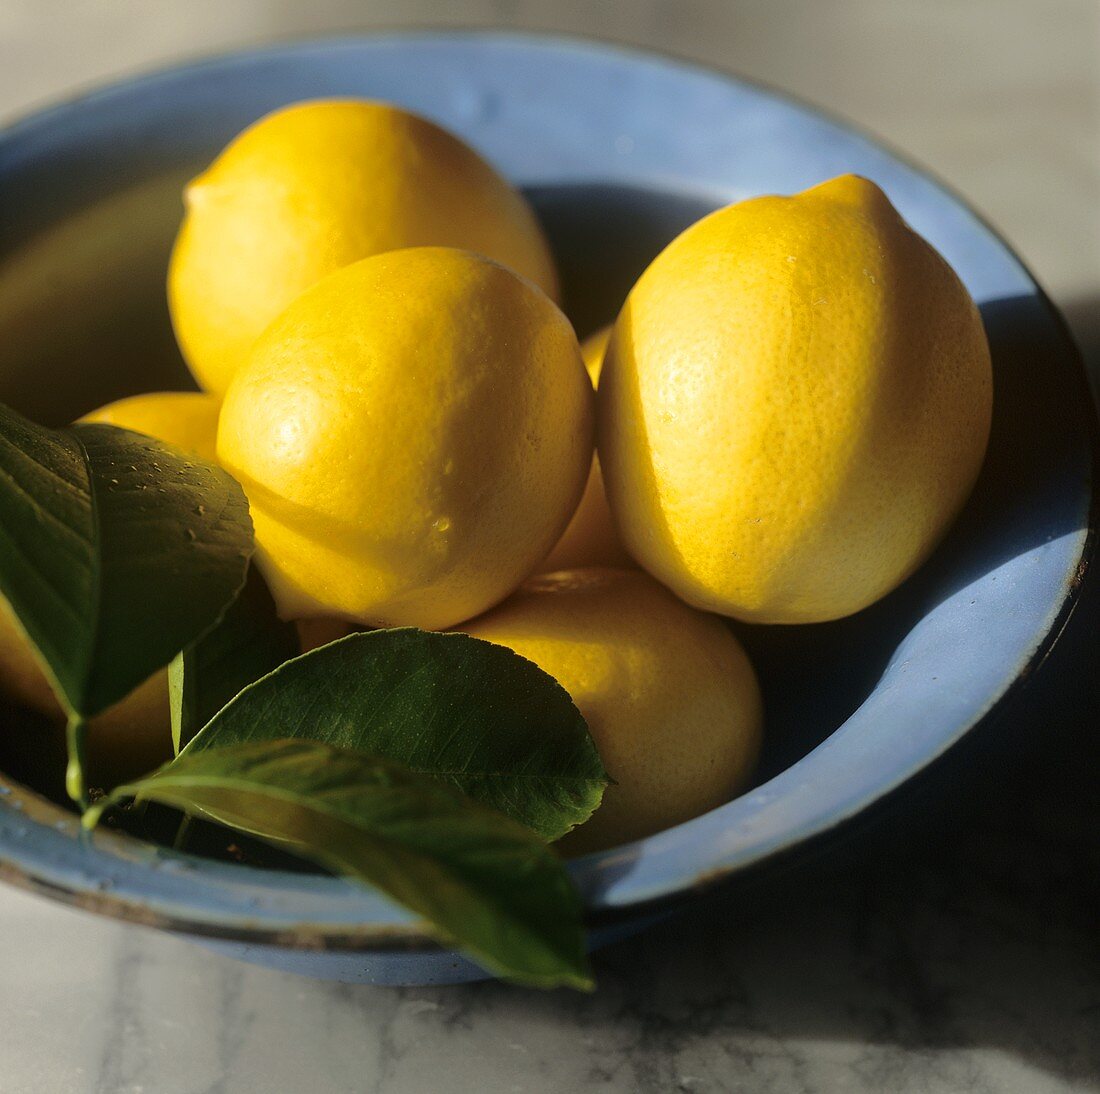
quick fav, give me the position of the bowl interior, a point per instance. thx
(618, 152)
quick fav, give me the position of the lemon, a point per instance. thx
(413, 434)
(316, 186)
(590, 538)
(128, 739)
(794, 405)
(135, 735)
(187, 419)
(668, 693)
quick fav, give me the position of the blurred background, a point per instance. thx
(953, 950)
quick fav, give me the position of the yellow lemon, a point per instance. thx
(794, 405)
(135, 735)
(590, 538)
(413, 434)
(187, 419)
(668, 693)
(129, 739)
(316, 186)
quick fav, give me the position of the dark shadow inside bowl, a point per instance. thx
(82, 305)
(604, 236)
(84, 320)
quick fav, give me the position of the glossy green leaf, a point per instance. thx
(481, 881)
(249, 642)
(115, 551)
(465, 711)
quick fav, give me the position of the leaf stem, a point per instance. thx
(76, 735)
(182, 833)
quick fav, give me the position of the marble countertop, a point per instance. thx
(955, 948)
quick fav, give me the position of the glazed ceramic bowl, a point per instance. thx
(618, 151)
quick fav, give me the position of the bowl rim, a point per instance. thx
(403, 933)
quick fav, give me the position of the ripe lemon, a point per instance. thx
(187, 419)
(128, 739)
(314, 187)
(413, 434)
(590, 539)
(135, 735)
(668, 693)
(794, 405)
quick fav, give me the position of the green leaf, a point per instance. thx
(481, 881)
(465, 711)
(115, 552)
(249, 642)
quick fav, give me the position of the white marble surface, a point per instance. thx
(955, 952)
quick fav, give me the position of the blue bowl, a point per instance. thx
(619, 151)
